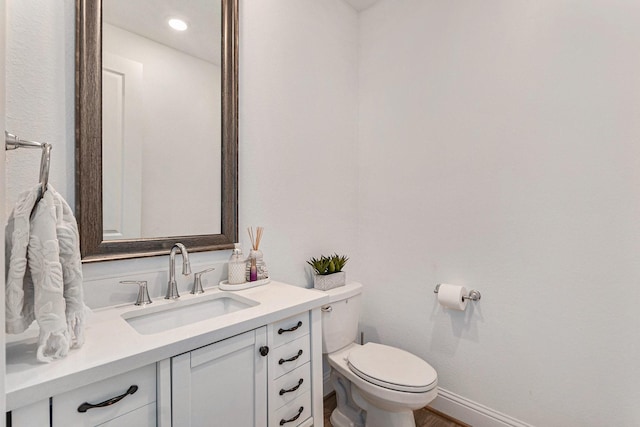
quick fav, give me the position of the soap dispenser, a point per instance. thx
(236, 266)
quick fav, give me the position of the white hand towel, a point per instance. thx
(19, 287)
(47, 287)
(43, 255)
(69, 242)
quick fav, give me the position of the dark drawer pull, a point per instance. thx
(283, 391)
(282, 331)
(283, 421)
(86, 406)
(291, 359)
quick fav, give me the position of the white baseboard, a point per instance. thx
(457, 407)
(472, 413)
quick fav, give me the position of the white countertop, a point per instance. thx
(113, 347)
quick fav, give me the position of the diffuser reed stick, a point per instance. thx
(255, 238)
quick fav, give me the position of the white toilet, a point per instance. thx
(376, 385)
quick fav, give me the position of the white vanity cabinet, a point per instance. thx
(260, 378)
(257, 367)
(126, 400)
(224, 383)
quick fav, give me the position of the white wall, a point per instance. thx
(499, 149)
(40, 92)
(298, 174)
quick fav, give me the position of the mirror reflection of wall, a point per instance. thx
(161, 119)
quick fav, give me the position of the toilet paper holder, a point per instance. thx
(473, 294)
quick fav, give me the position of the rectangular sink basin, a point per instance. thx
(161, 318)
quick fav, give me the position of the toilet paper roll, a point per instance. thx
(450, 296)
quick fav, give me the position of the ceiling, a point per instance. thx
(361, 4)
(148, 18)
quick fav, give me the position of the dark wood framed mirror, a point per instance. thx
(89, 147)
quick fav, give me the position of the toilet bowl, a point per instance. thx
(376, 385)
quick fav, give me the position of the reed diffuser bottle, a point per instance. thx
(256, 255)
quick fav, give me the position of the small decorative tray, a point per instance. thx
(225, 286)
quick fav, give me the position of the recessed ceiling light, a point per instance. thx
(178, 24)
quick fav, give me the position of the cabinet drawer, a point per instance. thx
(290, 329)
(293, 413)
(289, 387)
(289, 356)
(65, 406)
(141, 417)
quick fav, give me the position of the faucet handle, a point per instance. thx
(143, 291)
(197, 281)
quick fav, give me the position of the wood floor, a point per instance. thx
(425, 417)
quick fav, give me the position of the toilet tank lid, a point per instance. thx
(343, 292)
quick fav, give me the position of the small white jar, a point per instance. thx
(237, 266)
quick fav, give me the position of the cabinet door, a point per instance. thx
(36, 414)
(223, 384)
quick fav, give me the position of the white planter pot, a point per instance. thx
(329, 281)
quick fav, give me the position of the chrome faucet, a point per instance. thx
(172, 289)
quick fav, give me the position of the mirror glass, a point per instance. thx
(161, 119)
(156, 126)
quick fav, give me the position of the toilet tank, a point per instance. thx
(340, 321)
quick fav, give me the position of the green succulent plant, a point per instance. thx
(328, 264)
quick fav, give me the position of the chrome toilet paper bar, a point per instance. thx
(473, 294)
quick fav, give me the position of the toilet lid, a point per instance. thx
(392, 368)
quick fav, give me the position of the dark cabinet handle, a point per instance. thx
(283, 391)
(264, 350)
(86, 406)
(283, 421)
(291, 359)
(282, 331)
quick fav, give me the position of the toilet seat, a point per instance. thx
(392, 368)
